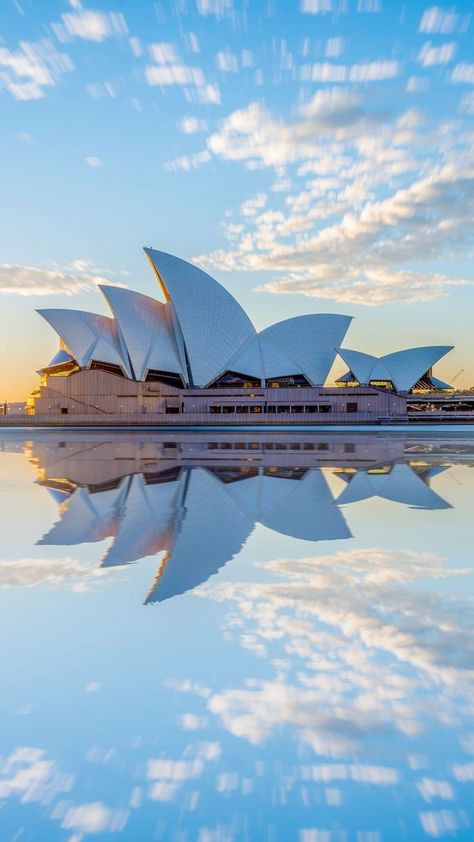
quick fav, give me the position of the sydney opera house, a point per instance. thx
(196, 354)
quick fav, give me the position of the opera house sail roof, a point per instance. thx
(199, 336)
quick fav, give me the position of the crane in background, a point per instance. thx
(458, 374)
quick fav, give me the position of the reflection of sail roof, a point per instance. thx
(86, 518)
(214, 326)
(311, 341)
(213, 530)
(301, 508)
(87, 336)
(148, 523)
(147, 331)
(403, 368)
(401, 485)
(308, 512)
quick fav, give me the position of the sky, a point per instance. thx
(312, 155)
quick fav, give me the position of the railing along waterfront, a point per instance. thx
(235, 419)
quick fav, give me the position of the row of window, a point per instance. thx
(348, 447)
(225, 409)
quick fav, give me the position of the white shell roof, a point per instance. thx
(201, 331)
(310, 341)
(88, 336)
(406, 367)
(359, 363)
(213, 324)
(403, 368)
(146, 330)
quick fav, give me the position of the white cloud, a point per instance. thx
(227, 61)
(370, 71)
(463, 73)
(430, 55)
(254, 136)
(215, 8)
(163, 53)
(467, 103)
(251, 206)
(417, 84)
(94, 817)
(191, 125)
(136, 46)
(317, 7)
(372, 286)
(93, 687)
(463, 772)
(438, 20)
(25, 137)
(430, 789)
(356, 634)
(90, 25)
(369, 6)
(93, 161)
(169, 70)
(334, 47)
(191, 722)
(28, 775)
(101, 90)
(29, 572)
(438, 823)
(27, 71)
(32, 280)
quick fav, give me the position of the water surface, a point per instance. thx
(248, 636)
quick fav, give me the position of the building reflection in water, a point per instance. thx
(197, 500)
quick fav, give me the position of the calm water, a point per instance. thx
(236, 637)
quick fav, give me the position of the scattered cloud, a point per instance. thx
(93, 687)
(369, 6)
(430, 55)
(360, 216)
(437, 20)
(94, 817)
(215, 8)
(32, 280)
(192, 125)
(27, 774)
(169, 70)
(29, 572)
(417, 85)
(334, 47)
(34, 66)
(93, 161)
(351, 630)
(463, 73)
(227, 61)
(317, 7)
(370, 71)
(89, 25)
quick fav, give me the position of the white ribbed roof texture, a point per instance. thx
(88, 336)
(145, 326)
(201, 331)
(403, 368)
(213, 324)
(310, 341)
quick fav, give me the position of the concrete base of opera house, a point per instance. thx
(95, 396)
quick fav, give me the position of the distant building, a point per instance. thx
(198, 354)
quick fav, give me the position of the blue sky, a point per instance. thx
(314, 155)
